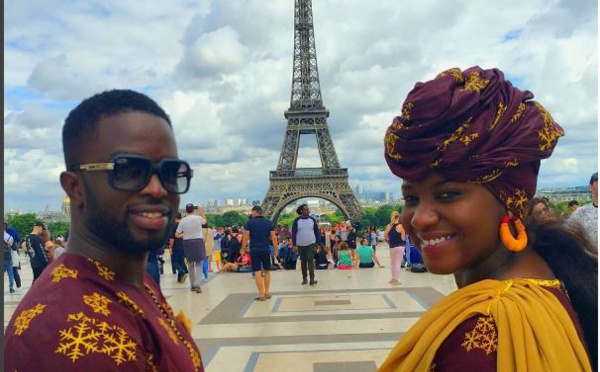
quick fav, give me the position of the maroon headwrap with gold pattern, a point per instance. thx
(473, 126)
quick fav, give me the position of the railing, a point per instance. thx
(309, 173)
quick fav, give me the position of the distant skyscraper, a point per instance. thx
(229, 202)
(359, 188)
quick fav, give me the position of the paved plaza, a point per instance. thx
(348, 322)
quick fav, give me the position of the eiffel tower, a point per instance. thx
(307, 115)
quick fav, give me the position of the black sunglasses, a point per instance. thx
(129, 172)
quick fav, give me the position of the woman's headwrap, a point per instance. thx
(473, 126)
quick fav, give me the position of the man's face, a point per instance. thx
(305, 211)
(128, 221)
(594, 190)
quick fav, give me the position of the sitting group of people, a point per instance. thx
(346, 258)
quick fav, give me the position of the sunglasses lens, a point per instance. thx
(131, 174)
(175, 175)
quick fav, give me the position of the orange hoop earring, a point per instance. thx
(512, 244)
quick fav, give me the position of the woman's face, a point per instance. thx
(454, 225)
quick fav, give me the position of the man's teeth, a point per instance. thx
(435, 241)
(151, 214)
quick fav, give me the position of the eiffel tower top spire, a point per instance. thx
(306, 88)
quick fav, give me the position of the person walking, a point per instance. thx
(260, 233)
(8, 263)
(305, 237)
(177, 253)
(190, 230)
(396, 237)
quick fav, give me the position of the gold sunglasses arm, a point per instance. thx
(97, 166)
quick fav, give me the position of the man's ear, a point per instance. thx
(73, 186)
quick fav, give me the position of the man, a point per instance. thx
(8, 263)
(260, 232)
(95, 308)
(177, 254)
(305, 236)
(573, 205)
(35, 248)
(587, 215)
(12, 231)
(282, 233)
(190, 229)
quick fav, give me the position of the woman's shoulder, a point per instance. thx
(473, 342)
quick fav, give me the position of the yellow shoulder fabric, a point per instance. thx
(535, 332)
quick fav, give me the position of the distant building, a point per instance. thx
(229, 202)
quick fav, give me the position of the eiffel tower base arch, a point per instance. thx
(336, 190)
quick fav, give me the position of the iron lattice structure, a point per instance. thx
(308, 116)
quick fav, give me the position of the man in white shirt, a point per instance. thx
(190, 229)
(587, 215)
(8, 265)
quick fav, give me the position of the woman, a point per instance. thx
(468, 147)
(372, 235)
(395, 236)
(345, 257)
(366, 255)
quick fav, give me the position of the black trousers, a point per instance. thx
(307, 260)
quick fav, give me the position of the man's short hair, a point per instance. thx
(81, 125)
(189, 208)
(594, 178)
(573, 202)
(38, 223)
(257, 208)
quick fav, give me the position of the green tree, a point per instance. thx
(22, 222)
(58, 228)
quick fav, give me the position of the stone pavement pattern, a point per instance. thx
(348, 322)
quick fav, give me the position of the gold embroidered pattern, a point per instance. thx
(458, 133)
(455, 72)
(26, 316)
(89, 335)
(475, 83)
(80, 339)
(518, 200)
(550, 133)
(103, 271)
(552, 283)
(150, 366)
(170, 332)
(132, 306)
(390, 140)
(484, 336)
(98, 303)
(62, 272)
(518, 114)
(490, 176)
(406, 109)
(467, 139)
(499, 112)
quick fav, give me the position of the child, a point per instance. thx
(321, 261)
(345, 257)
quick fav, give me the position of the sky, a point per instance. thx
(222, 70)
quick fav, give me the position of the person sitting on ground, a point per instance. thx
(345, 257)
(468, 147)
(243, 264)
(321, 261)
(366, 255)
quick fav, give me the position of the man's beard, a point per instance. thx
(116, 233)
